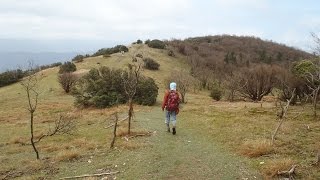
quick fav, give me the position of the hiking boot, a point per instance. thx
(174, 131)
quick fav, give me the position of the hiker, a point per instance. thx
(171, 106)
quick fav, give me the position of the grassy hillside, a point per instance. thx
(214, 139)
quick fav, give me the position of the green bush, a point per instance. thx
(216, 93)
(171, 53)
(10, 77)
(67, 67)
(157, 44)
(147, 92)
(108, 51)
(104, 88)
(147, 41)
(139, 41)
(50, 66)
(78, 58)
(151, 64)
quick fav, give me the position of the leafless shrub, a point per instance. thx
(67, 80)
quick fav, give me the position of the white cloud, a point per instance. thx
(123, 20)
(84, 19)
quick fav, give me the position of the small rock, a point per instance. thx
(261, 162)
(189, 141)
(89, 161)
(124, 164)
(115, 165)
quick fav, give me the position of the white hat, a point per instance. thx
(173, 86)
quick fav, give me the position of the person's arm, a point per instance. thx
(179, 100)
(165, 98)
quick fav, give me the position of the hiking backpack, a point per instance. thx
(173, 101)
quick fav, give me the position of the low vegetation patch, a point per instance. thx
(67, 67)
(256, 148)
(104, 88)
(67, 155)
(108, 51)
(156, 44)
(271, 168)
(151, 64)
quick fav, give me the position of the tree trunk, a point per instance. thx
(318, 158)
(283, 115)
(114, 131)
(315, 99)
(32, 136)
(130, 114)
(182, 97)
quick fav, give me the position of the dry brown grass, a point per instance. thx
(18, 140)
(33, 165)
(67, 155)
(271, 168)
(83, 143)
(256, 148)
(122, 131)
(51, 147)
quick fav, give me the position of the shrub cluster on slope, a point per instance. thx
(108, 51)
(229, 60)
(156, 44)
(151, 64)
(103, 87)
(13, 76)
(10, 77)
(67, 67)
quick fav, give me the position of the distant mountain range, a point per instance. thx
(14, 60)
(16, 52)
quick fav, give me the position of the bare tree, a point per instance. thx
(313, 83)
(316, 78)
(257, 82)
(316, 39)
(313, 78)
(31, 86)
(130, 83)
(232, 84)
(283, 114)
(67, 80)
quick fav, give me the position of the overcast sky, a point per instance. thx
(84, 24)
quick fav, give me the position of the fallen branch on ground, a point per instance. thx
(137, 135)
(290, 173)
(90, 175)
(118, 122)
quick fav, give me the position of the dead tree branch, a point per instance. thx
(91, 175)
(62, 126)
(290, 173)
(111, 125)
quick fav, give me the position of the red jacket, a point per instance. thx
(165, 99)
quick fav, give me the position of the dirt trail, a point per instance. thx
(186, 155)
